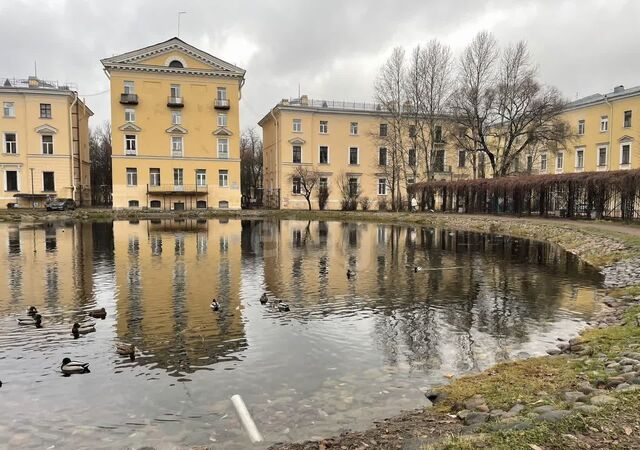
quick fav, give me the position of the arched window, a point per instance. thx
(223, 204)
(201, 204)
(155, 204)
(134, 203)
(176, 63)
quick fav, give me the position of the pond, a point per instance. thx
(349, 351)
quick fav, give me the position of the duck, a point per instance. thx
(69, 367)
(32, 311)
(215, 305)
(35, 320)
(264, 299)
(124, 349)
(350, 274)
(282, 307)
(98, 313)
(78, 329)
(417, 269)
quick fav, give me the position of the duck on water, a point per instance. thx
(35, 320)
(69, 367)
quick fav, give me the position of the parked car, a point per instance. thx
(61, 204)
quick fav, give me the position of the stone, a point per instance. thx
(622, 386)
(497, 413)
(543, 409)
(476, 403)
(476, 418)
(436, 397)
(463, 414)
(574, 396)
(515, 410)
(586, 388)
(554, 416)
(635, 380)
(600, 400)
(628, 361)
(587, 409)
(562, 346)
(553, 351)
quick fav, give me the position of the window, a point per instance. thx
(134, 203)
(625, 154)
(602, 156)
(223, 148)
(438, 163)
(627, 119)
(324, 154)
(383, 129)
(223, 178)
(154, 177)
(130, 144)
(175, 90)
(560, 161)
(129, 115)
(412, 157)
(462, 157)
(47, 144)
(45, 110)
(222, 93)
(296, 185)
(382, 186)
(323, 183)
(412, 131)
(297, 125)
(132, 176)
(223, 204)
(11, 180)
(155, 204)
(201, 204)
(176, 63)
(580, 158)
(176, 117)
(543, 162)
(604, 123)
(48, 182)
(222, 120)
(11, 143)
(176, 146)
(297, 154)
(9, 109)
(580, 127)
(129, 87)
(529, 163)
(438, 134)
(353, 155)
(201, 177)
(178, 177)
(354, 128)
(324, 127)
(382, 156)
(353, 186)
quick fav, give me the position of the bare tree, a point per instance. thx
(500, 108)
(350, 191)
(307, 178)
(251, 162)
(100, 154)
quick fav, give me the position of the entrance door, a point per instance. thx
(178, 206)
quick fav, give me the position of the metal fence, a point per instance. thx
(597, 195)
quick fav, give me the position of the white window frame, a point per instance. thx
(357, 156)
(176, 117)
(293, 147)
(4, 143)
(223, 143)
(175, 90)
(223, 178)
(178, 171)
(324, 127)
(4, 178)
(544, 162)
(580, 151)
(624, 125)
(130, 171)
(323, 182)
(50, 145)
(221, 93)
(173, 141)
(296, 125)
(628, 164)
(130, 115)
(201, 177)
(11, 108)
(606, 157)
(604, 124)
(386, 156)
(293, 185)
(222, 119)
(152, 176)
(129, 87)
(581, 127)
(353, 128)
(128, 151)
(559, 161)
(328, 154)
(382, 186)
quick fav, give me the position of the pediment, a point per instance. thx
(297, 141)
(176, 129)
(222, 131)
(625, 138)
(132, 127)
(46, 129)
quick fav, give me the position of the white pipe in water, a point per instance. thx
(246, 420)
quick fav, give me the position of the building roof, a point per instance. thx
(34, 85)
(618, 92)
(134, 60)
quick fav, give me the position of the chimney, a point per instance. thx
(618, 89)
(285, 102)
(304, 100)
(33, 82)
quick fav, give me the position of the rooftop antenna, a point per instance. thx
(179, 14)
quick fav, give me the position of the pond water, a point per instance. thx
(349, 351)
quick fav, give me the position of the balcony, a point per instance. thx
(177, 189)
(221, 103)
(129, 99)
(177, 153)
(175, 102)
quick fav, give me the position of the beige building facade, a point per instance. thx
(175, 128)
(44, 129)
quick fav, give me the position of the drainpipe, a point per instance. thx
(73, 178)
(609, 126)
(277, 151)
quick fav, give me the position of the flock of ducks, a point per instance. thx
(264, 300)
(68, 366)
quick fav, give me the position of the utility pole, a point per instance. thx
(179, 14)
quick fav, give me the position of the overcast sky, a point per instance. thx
(332, 48)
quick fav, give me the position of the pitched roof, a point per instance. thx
(593, 99)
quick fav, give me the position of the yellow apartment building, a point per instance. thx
(44, 128)
(175, 128)
(338, 139)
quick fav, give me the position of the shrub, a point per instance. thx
(323, 197)
(365, 203)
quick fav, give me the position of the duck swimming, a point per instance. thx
(32, 311)
(35, 320)
(124, 349)
(282, 307)
(417, 269)
(215, 305)
(350, 274)
(264, 299)
(69, 367)
(98, 313)
(78, 329)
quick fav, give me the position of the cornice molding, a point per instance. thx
(222, 131)
(46, 129)
(129, 126)
(177, 129)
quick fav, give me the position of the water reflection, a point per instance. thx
(424, 302)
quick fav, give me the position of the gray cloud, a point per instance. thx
(331, 48)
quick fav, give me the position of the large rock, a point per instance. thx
(600, 400)
(515, 410)
(435, 397)
(575, 396)
(554, 416)
(476, 418)
(587, 409)
(476, 403)
(543, 409)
